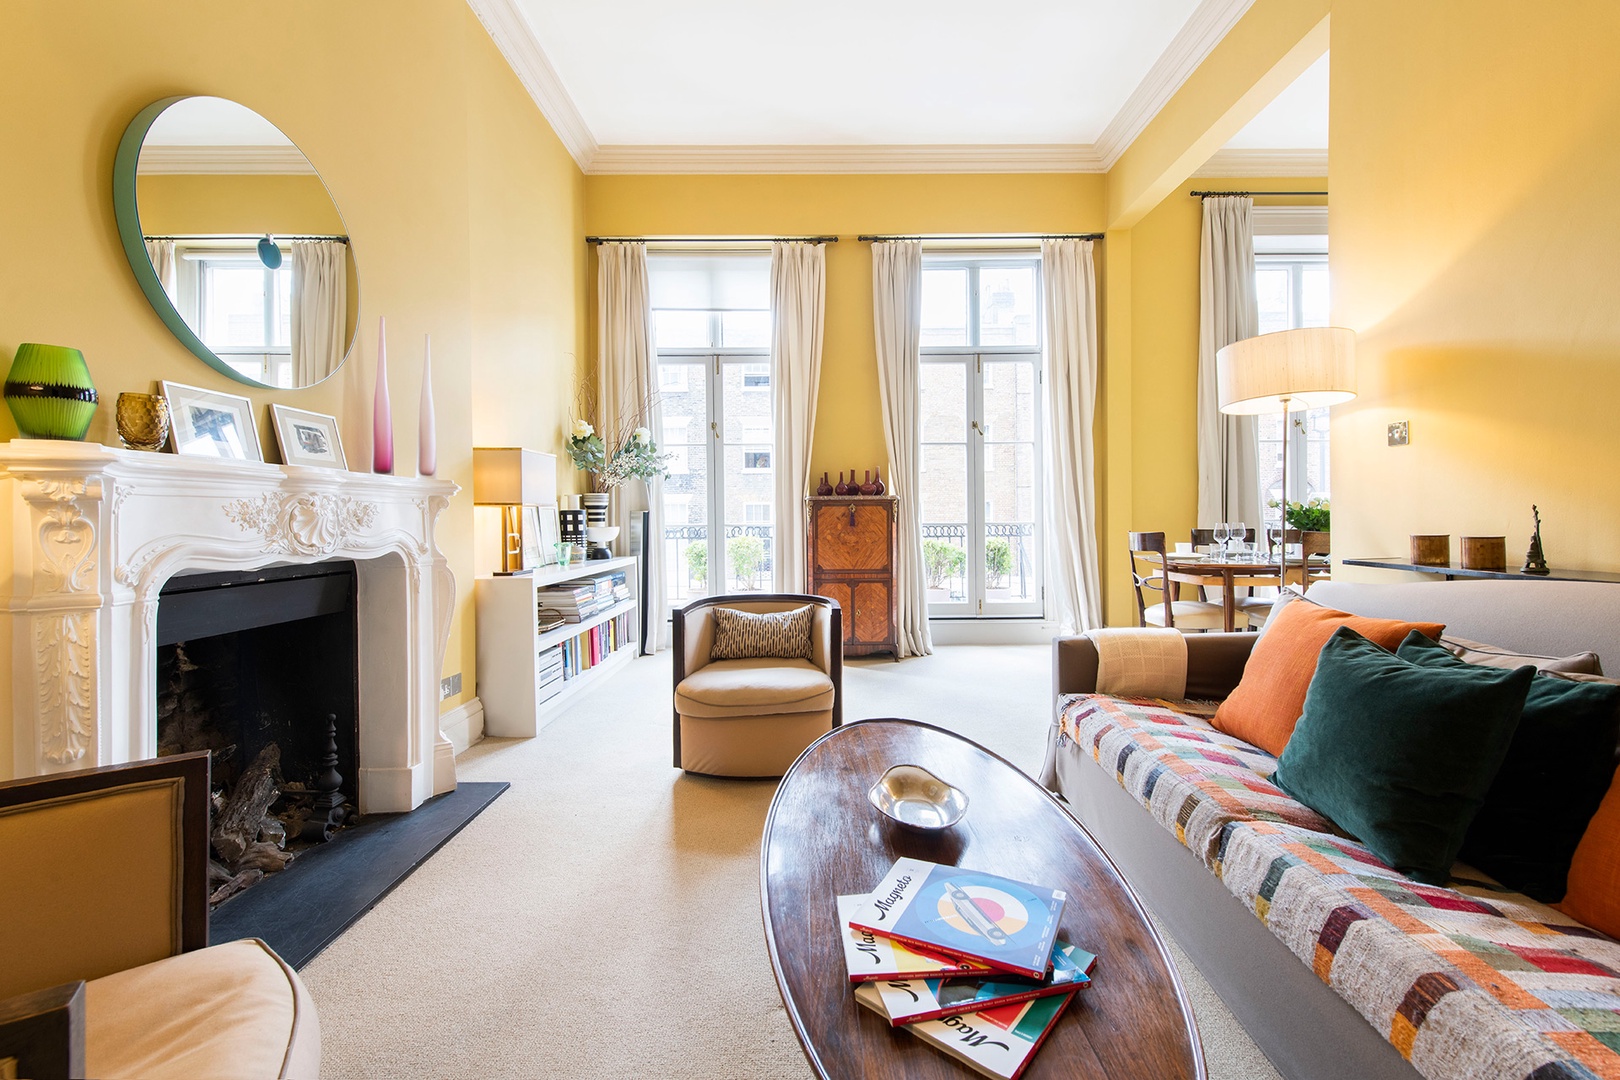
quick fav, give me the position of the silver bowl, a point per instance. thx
(917, 799)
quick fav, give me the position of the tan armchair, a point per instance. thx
(107, 967)
(754, 717)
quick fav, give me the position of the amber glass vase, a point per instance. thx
(143, 421)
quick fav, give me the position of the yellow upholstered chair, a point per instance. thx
(107, 969)
(753, 717)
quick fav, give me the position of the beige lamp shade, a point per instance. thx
(1293, 369)
(510, 476)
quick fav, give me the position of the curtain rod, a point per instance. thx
(992, 237)
(593, 240)
(1208, 194)
(244, 236)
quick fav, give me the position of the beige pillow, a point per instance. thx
(749, 635)
(1477, 652)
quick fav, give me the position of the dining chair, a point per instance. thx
(1312, 543)
(1156, 603)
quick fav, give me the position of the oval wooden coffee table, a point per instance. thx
(822, 838)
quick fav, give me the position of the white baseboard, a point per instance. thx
(991, 631)
(464, 724)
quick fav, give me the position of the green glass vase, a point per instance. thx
(49, 392)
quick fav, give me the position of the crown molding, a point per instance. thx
(232, 160)
(1265, 163)
(1211, 21)
(619, 160)
(515, 39)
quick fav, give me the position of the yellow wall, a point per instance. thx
(409, 111)
(1474, 170)
(191, 204)
(849, 426)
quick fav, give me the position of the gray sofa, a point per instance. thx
(1304, 1027)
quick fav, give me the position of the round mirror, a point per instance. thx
(236, 242)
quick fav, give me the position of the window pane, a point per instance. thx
(681, 330)
(1007, 305)
(1314, 293)
(745, 329)
(943, 393)
(1010, 501)
(233, 312)
(945, 562)
(945, 306)
(283, 313)
(1009, 400)
(747, 480)
(1273, 289)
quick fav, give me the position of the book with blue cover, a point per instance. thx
(1006, 924)
(908, 1001)
(870, 956)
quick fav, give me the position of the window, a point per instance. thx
(981, 435)
(712, 332)
(1291, 288)
(241, 308)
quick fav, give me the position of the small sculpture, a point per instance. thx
(1535, 562)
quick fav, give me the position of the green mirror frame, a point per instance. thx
(127, 212)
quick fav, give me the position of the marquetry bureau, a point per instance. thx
(852, 549)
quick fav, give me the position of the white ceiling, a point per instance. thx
(852, 72)
(849, 86)
(212, 121)
(1297, 119)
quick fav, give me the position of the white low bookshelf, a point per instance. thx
(510, 644)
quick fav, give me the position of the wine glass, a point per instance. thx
(1275, 532)
(1240, 537)
(1223, 533)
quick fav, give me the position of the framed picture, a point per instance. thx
(207, 423)
(539, 536)
(308, 438)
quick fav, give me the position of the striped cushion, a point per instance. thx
(747, 635)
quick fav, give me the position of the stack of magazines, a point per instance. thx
(966, 961)
(574, 602)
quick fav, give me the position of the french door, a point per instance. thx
(981, 489)
(719, 498)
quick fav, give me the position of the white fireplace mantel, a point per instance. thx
(98, 530)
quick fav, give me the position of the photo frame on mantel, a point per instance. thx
(307, 438)
(207, 423)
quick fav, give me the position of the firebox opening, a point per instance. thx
(250, 660)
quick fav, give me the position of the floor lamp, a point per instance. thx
(1290, 371)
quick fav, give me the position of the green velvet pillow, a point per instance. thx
(1400, 756)
(1557, 769)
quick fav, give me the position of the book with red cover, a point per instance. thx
(995, 1042)
(1006, 924)
(908, 1001)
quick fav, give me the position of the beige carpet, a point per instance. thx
(601, 918)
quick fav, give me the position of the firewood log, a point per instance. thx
(236, 826)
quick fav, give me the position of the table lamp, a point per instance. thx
(512, 478)
(1290, 370)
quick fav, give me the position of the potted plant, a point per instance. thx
(619, 451)
(1312, 516)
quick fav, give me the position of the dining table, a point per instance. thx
(1230, 572)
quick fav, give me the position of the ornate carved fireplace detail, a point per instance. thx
(108, 527)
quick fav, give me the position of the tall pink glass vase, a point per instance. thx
(382, 420)
(427, 445)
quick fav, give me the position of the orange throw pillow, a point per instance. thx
(1271, 696)
(1594, 876)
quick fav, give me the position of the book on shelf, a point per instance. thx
(869, 956)
(995, 1042)
(1009, 925)
(908, 1001)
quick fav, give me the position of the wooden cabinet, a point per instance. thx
(852, 548)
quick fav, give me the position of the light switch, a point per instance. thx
(450, 686)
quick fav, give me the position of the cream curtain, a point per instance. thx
(798, 304)
(1228, 451)
(161, 252)
(627, 380)
(897, 322)
(1069, 284)
(320, 308)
